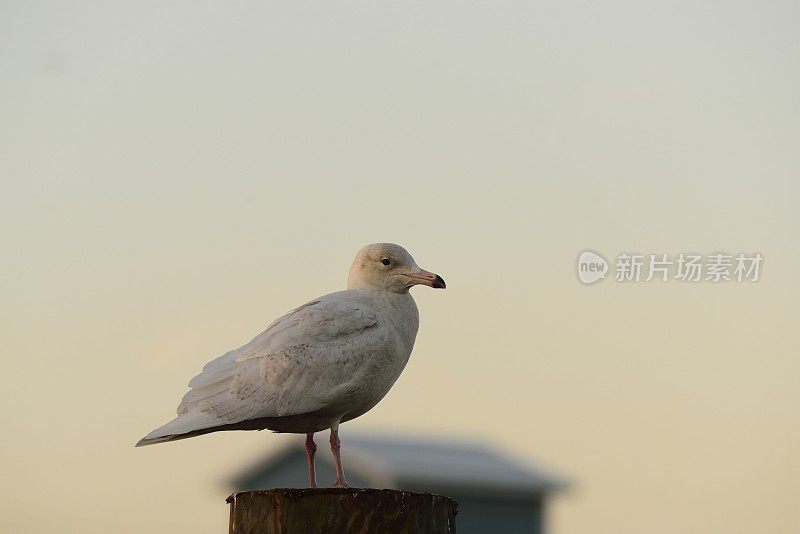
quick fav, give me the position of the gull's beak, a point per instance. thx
(427, 278)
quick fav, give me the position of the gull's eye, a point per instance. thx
(386, 261)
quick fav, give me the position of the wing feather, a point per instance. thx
(301, 363)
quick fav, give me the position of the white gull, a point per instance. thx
(324, 363)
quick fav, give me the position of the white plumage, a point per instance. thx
(326, 362)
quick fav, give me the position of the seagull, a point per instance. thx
(328, 361)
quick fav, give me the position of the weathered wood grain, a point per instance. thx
(346, 511)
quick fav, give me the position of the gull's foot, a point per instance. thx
(340, 484)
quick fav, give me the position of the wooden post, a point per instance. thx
(334, 510)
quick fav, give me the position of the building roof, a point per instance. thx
(407, 464)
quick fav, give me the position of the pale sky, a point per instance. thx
(175, 175)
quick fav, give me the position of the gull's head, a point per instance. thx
(389, 267)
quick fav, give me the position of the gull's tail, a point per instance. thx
(184, 426)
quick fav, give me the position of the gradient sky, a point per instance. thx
(175, 175)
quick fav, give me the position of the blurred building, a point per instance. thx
(495, 493)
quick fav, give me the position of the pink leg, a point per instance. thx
(311, 449)
(336, 445)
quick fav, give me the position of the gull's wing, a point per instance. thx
(301, 363)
